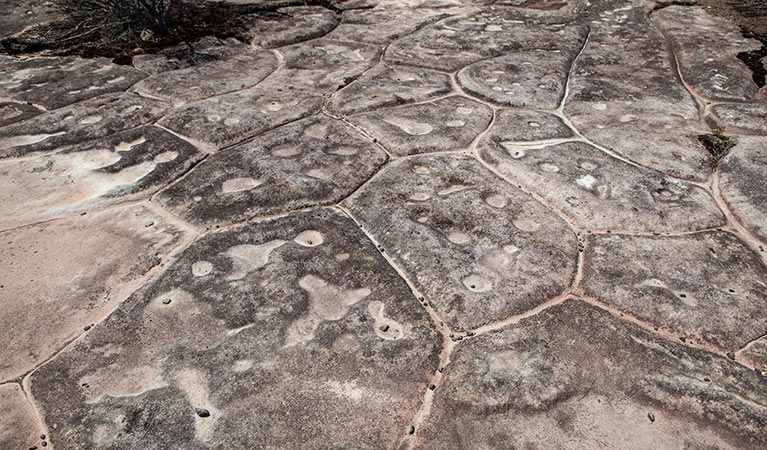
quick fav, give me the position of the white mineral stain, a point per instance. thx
(341, 256)
(496, 201)
(241, 365)
(422, 219)
(526, 224)
(346, 150)
(464, 111)
(165, 157)
(502, 261)
(453, 189)
(421, 170)
(201, 268)
(455, 123)
(410, 126)
(548, 167)
(17, 141)
(239, 184)
(309, 238)
(586, 181)
(318, 174)
(247, 258)
(327, 302)
(285, 151)
(90, 120)
(599, 106)
(385, 328)
(194, 385)
(477, 283)
(126, 146)
(420, 197)
(456, 237)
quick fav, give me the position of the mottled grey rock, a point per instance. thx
(242, 70)
(386, 85)
(708, 287)
(20, 15)
(231, 118)
(516, 126)
(625, 94)
(706, 47)
(274, 328)
(74, 124)
(478, 249)
(126, 166)
(12, 112)
(288, 25)
(316, 161)
(383, 24)
(598, 191)
(18, 425)
(455, 43)
(741, 183)
(205, 50)
(527, 78)
(576, 377)
(749, 118)
(447, 124)
(322, 65)
(56, 82)
(756, 354)
(61, 275)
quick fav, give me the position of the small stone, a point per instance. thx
(85, 328)
(202, 412)
(651, 416)
(42, 437)
(412, 430)
(384, 328)
(44, 444)
(731, 355)
(432, 387)
(166, 301)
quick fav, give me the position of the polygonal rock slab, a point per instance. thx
(448, 124)
(311, 162)
(513, 126)
(599, 191)
(243, 70)
(756, 354)
(289, 333)
(200, 52)
(478, 249)
(87, 120)
(382, 24)
(12, 112)
(288, 25)
(625, 94)
(455, 43)
(230, 118)
(385, 85)
(322, 65)
(18, 425)
(705, 287)
(748, 118)
(125, 166)
(531, 78)
(577, 377)
(706, 47)
(57, 82)
(741, 183)
(60, 276)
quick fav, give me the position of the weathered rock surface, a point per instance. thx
(576, 377)
(12, 112)
(706, 48)
(383, 24)
(231, 118)
(741, 183)
(386, 85)
(746, 118)
(57, 82)
(245, 68)
(598, 191)
(448, 124)
(315, 161)
(81, 122)
(707, 288)
(288, 25)
(57, 277)
(125, 166)
(252, 331)
(18, 424)
(322, 65)
(478, 249)
(756, 354)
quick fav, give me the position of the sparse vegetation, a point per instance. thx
(717, 144)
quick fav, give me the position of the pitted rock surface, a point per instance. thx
(280, 314)
(312, 162)
(478, 249)
(12, 112)
(742, 174)
(288, 25)
(382, 24)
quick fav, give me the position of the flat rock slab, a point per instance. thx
(383, 24)
(125, 166)
(706, 288)
(748, 118)
(251, 331)
(231, 118)
(448, 124)
(205, 50)
(315, 161)
(513, 126)
(756, 354)
(575, 376)
(12, 112)
(625, 95)
(57, 277)
(741, 183)
(84, 121)
(57, 82)
(598, 191)
(18, 425)
(289, 25)
(706, 47)
(322, 65)
(385, 86)
(452, 44)
(526, 78)
(243, 70)
(478, 249)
